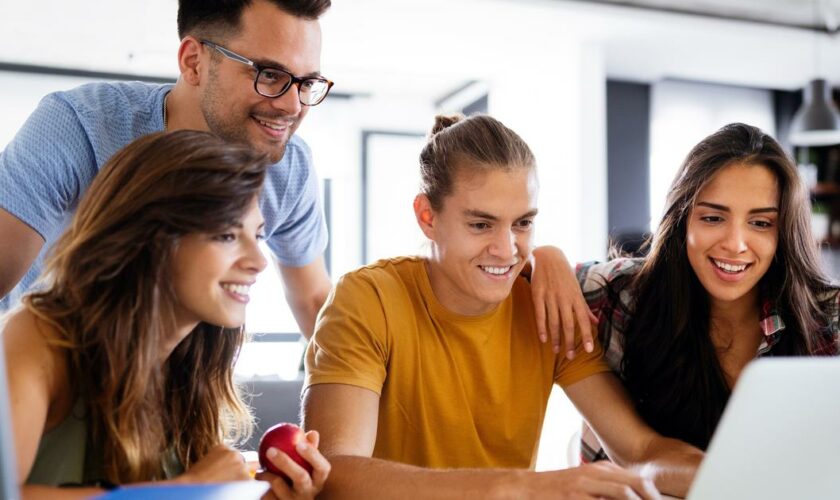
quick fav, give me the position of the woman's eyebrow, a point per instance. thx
(724, 208)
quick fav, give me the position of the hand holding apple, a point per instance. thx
(285, 438)
(296, 453)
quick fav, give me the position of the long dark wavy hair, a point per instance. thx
(670, 366)
(108, 295)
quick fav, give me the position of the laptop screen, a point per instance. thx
(779, 437)
(8, 476)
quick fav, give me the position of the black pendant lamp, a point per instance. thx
(817, 122)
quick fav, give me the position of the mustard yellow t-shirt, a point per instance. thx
(455, 391)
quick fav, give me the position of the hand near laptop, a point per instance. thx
(596, 480)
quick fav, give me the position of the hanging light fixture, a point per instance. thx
(817, 122)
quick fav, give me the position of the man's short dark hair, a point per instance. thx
(222, 16)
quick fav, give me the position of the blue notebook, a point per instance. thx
(244, 490)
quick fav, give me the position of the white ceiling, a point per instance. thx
(428, 47)
(808, 14)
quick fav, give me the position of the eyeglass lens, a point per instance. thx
(272, 82)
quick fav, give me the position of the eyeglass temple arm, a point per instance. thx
(229, 54)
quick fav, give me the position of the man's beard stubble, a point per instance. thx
(228, 129)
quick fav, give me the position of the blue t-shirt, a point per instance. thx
(54, 157)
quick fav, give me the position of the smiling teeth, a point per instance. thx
(272, 126)
(496, 270)
(730, 268)
(237, 289)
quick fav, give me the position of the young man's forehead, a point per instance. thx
(272, 34)
(483, 213)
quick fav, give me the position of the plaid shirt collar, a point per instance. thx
(771, 325)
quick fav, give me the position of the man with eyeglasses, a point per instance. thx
(249, 71)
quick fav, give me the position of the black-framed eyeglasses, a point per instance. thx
(274, 82)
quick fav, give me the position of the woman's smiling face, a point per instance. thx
(732, 231)
(212, 273)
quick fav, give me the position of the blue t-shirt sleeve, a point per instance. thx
(302, 236)
(46, 166)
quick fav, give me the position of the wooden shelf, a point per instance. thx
(826, 189)
(828, 195)
(832, 243)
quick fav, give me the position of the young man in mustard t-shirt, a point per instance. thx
(426, 377)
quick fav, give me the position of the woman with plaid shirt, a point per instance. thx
(732, 274)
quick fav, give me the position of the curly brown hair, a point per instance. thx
(107, 292)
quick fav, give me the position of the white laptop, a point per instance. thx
(779, 437)
(8, 476)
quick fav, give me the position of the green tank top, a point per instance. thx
(66, 457)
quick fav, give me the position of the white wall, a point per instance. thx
(334, 131)
(20, 93)
(683, 113)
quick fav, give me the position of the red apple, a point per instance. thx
(284, 437)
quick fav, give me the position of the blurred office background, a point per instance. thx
(610, 94)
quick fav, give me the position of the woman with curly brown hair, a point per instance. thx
(121, 364)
